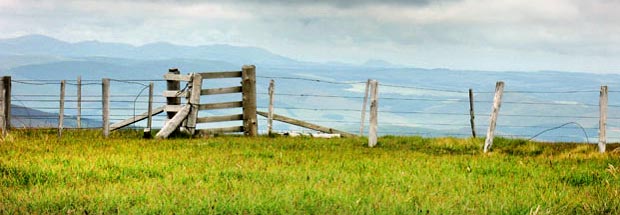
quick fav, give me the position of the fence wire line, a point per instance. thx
(424, 88)
(312, 80)
(129, 82)
(440, 100)
(551, 92)
(56, 82)
(33, 83)
(439, 113)
(431, 99)
(361, 97)
(558, 127)
(49, 82)
(135, 99)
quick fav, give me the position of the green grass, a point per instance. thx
(83, 173)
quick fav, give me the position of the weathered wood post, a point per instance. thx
(2, 113)
(194, 102)
(374, 106)
(248, 77)
(497, 102)
(61, 108)
(171, 125)
(271, 100)
(185, 127)
(173, 85)
(105, 100)
(363, 119)
(7, 102)
(78, 117)
(149, 120)
(602, 124)
(472, 116)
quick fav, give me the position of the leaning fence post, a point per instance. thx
(270, 114)
(497, 102)
(105, 100)
(602, 139)
(472, 116)
(364, 108)
(194, 101)
(149, 120)
(374, 105)
(78, 117)
(248, 77)
(61, 108)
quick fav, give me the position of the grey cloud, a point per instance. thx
(348, 3)
(334, 3)
(436, 33)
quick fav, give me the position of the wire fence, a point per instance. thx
(545, 115)
(35, 103)
(549, 115)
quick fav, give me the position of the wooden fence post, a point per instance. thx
(472, 116)
(105, 100)
(7, 102)
(497, 102)
(172, 85)
(364, 108)
(374, 105)
(271, 100)
(149, 120)
(194, 102)
(2, 113)
(248, 77)
(78, 117)
(61, 108)
(602, 139)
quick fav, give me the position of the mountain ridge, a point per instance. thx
(45, 45)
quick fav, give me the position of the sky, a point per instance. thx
(495, 35)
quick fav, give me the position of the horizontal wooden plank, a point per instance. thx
(221, 105)
(225, 90)
(174, 77)
(172, 108)
(214, 75)
(135, 119)
(306, 124)
(220, 118)
(202, 132)
(174, 93)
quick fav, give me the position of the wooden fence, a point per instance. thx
(184, 117)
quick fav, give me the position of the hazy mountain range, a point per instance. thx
(47, 46)
(37, 57)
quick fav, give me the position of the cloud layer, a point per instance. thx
(569, 35)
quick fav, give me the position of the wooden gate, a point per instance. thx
(184, 117)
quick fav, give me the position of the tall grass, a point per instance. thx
(85, 173)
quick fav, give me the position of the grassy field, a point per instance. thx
(83, 173)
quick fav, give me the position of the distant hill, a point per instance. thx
(25, 117)
(47, 46)
(118, 68)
